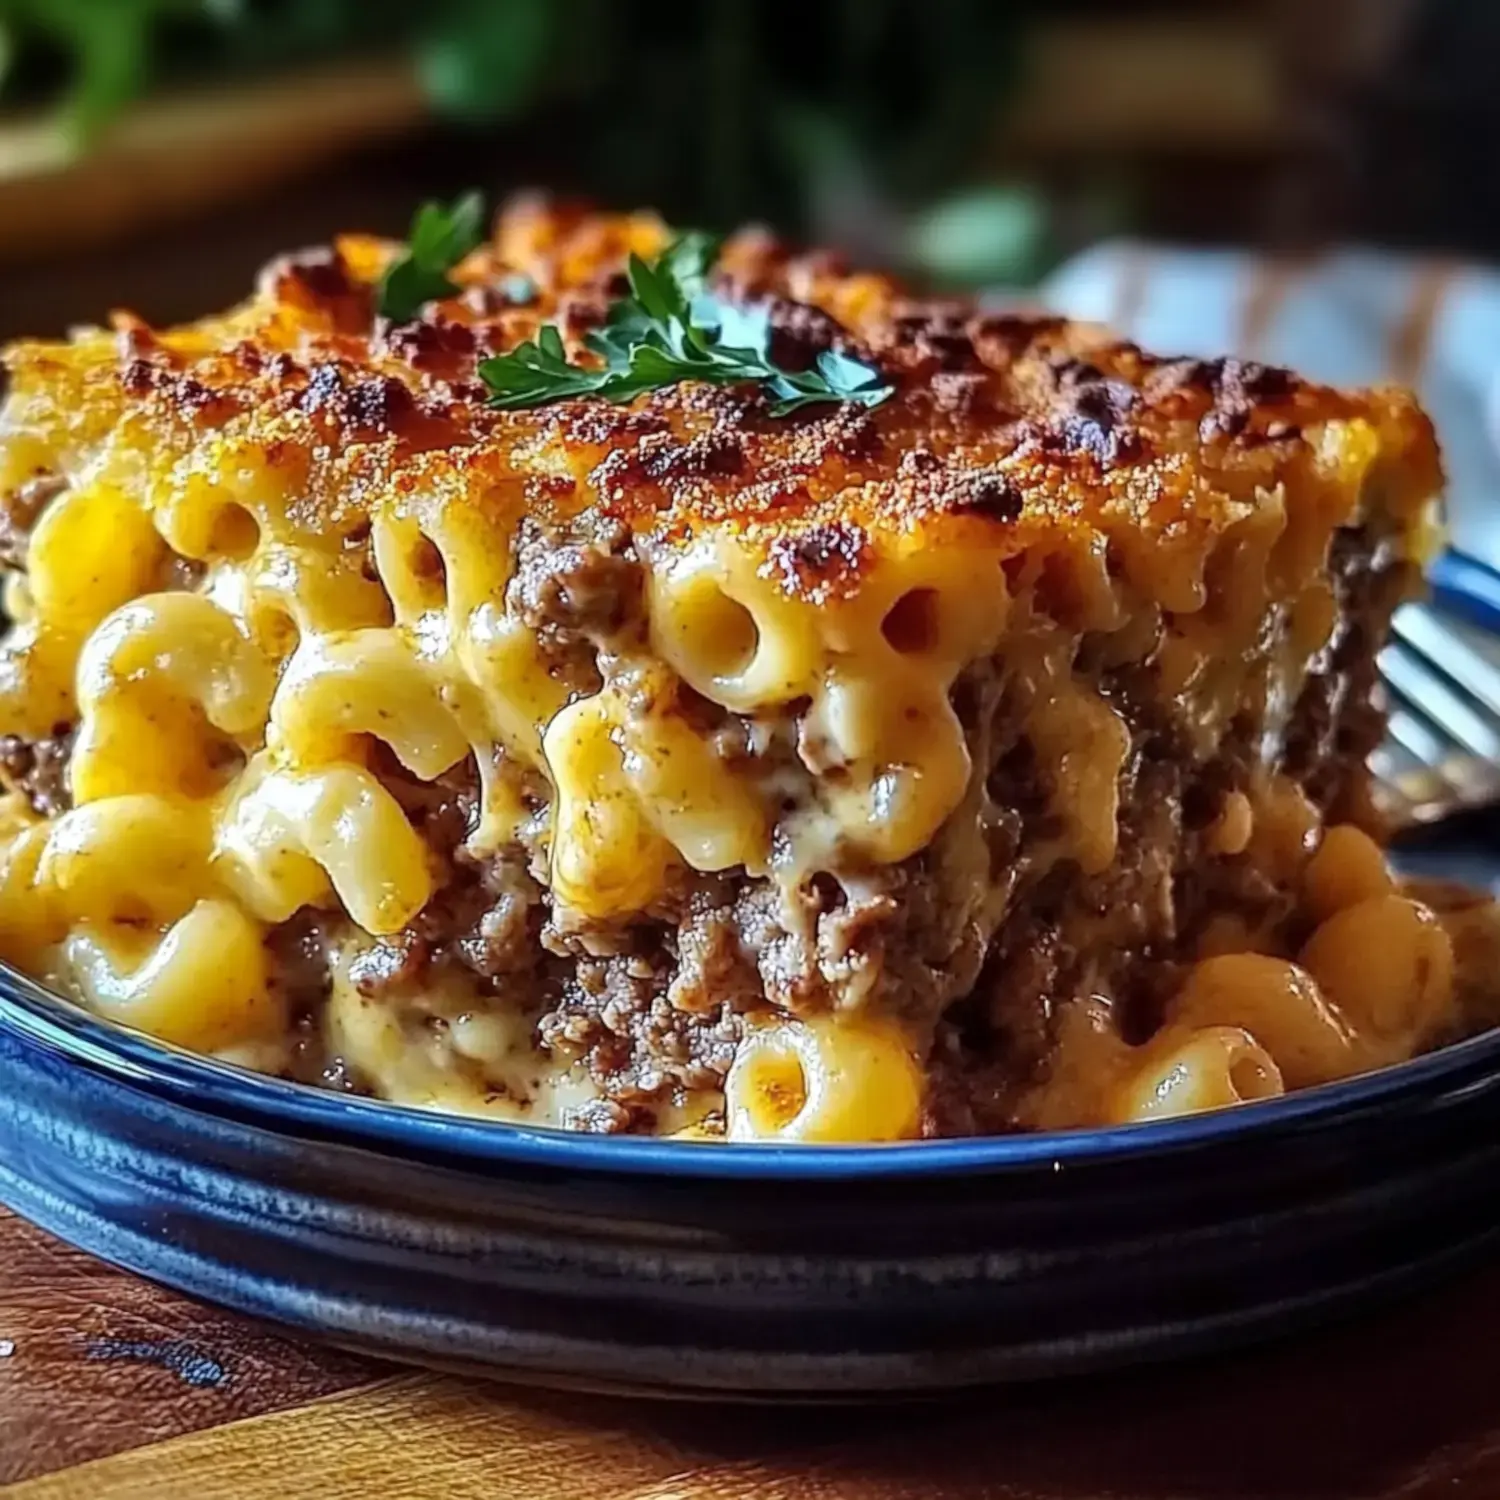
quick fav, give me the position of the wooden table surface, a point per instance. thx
(111, 1389)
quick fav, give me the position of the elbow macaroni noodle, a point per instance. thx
(297, 838)
(158, 983)
(278, 612)
(221, 774)
(823, 1081)
(222, 782)
(1186, 1071)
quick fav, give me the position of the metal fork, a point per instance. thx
(1441, 754)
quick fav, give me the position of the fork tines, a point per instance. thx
(1442, 750)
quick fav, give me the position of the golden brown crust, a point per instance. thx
(1025, 432)
(1089, 661)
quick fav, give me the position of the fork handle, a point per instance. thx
(1466, 587)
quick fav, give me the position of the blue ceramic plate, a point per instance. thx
(744, 1270)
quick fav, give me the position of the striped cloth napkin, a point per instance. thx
(1348, 317)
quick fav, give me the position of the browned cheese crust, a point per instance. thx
(1199, 559)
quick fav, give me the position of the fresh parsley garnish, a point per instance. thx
(440, 237)
(670, 328)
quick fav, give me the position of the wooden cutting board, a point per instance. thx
(111, 1389)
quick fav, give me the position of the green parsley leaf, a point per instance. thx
(669, 329)
(687, 262)
(439, 238)
(538, 372)
(839, 378)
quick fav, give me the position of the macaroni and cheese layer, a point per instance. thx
(986, 757)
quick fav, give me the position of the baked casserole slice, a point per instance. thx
(986, 757)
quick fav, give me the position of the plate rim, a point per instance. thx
(215, 1088)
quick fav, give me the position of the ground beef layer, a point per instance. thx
(654, 1008)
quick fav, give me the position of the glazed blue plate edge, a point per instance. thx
(464, 1346)
(207, 1086)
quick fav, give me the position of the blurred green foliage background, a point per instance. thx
(864, 121)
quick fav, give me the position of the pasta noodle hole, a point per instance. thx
(223, 760)
(913, 624)
(1250, 1078)
(783, 1091)
(729, 636)
(428, 572)
(235, 533)
(769, 1087)
(276, 631)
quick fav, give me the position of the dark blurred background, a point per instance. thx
(154, 152)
